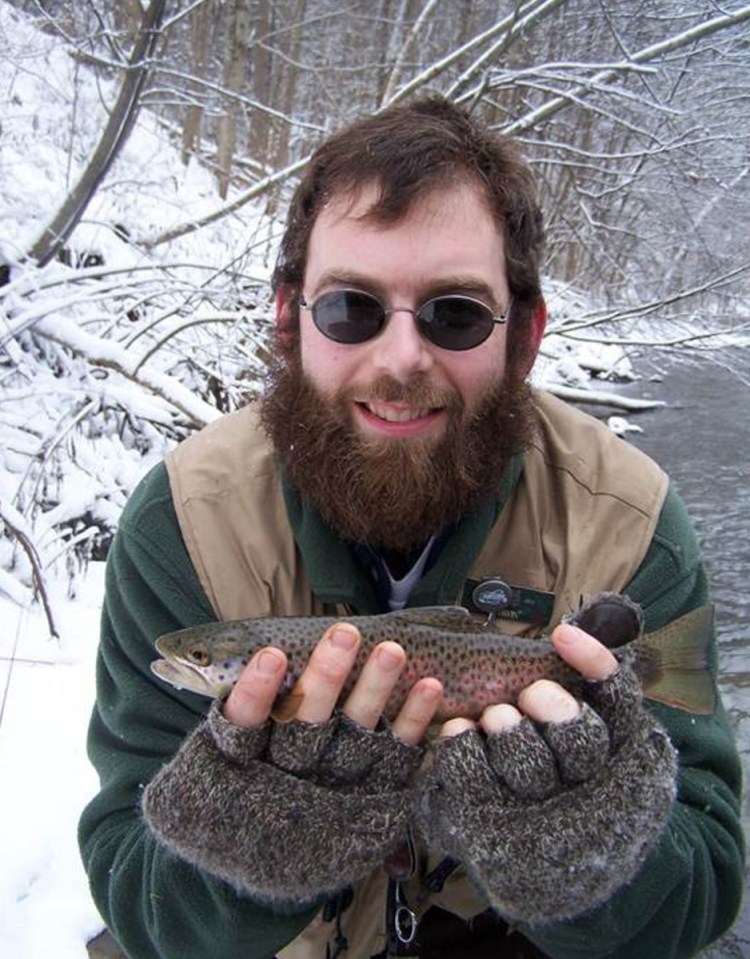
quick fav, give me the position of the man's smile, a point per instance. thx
(396, 419)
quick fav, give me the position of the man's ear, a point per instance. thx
(536, 332)
(285, 311)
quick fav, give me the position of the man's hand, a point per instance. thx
(554, 805)
(545, 701)
(303, 807)
(320, 685)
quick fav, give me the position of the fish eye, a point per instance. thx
(198, 654)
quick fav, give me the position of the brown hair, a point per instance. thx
(409, 151)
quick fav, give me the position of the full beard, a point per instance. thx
(394, 493)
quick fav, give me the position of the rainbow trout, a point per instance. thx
(476, 662)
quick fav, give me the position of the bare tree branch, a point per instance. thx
(523, 13)
(651, 52)
(18, 526)
(390, 87)
(115, 134)
(569, 327)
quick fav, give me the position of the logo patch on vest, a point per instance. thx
(498, 598)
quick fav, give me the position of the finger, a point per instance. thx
(454, 727)
(547, 702)
(499, 718)
(523, 761)
(374, 686)
(584, 653)
(319, 687)
(581, 748)
(418, 711)
(253, 695)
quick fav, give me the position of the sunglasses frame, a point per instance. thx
(423, 325)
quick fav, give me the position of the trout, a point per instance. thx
(476, 662)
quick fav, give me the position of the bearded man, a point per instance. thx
(399, 460)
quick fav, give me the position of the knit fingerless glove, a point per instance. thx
(550, 821)
(287, 812)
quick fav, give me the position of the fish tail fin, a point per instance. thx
(675, 665)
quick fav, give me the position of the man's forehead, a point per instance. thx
(363, 202)
(447, 240)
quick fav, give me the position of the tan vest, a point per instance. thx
(580, 520)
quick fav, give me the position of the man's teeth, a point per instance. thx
(396, 415)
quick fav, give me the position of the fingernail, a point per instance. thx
(431, 690)
(267, 663)
(500, 718)
(568, 634)
(389, 656)
(344, 638)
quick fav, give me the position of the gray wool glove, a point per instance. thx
(286, 812)
(550, 821)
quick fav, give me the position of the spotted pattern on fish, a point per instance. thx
(476, 662)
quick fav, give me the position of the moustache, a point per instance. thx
(418, 391)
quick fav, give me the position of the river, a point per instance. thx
(702, 439)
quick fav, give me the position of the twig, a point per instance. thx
(19, 528)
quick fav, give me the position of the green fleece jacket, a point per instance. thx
(158, 906)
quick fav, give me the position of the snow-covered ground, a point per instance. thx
(47, 692)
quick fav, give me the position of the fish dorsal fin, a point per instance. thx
(445, 617)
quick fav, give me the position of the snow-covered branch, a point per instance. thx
(569, 326)
(600, 79)
(109, 355)
(602, 398)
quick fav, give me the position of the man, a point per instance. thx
(399, 460)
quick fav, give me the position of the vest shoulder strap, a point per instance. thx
(227, 494)
(583, 514)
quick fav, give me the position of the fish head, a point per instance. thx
(192, 663)
(195, 653)
(182, 676)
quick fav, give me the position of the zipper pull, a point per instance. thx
(402, 920)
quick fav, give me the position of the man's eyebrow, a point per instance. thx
(348, 278)
(470, 285)
(459, 283)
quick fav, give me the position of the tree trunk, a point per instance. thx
(202, 36)
(234, 78)
(261, 123)
(116, 132)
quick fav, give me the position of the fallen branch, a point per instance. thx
(111, 355)
(600, 398)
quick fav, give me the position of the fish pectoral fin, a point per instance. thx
(286, 706)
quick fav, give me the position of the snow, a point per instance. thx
(47, 694)
(74, 443)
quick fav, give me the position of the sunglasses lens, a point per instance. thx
(456, 322)
(348, 316)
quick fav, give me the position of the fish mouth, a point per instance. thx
(182, 676)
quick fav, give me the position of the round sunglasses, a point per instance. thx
(450, 322)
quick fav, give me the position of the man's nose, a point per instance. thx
(400, 349)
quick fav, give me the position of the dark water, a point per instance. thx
(702, 439)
